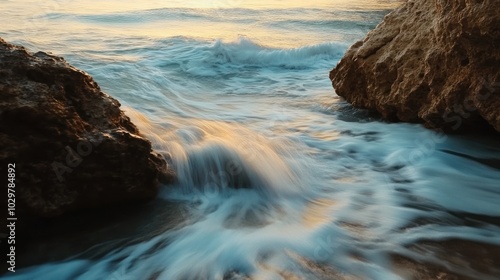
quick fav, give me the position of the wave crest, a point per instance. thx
(228, 58)
(246, 52)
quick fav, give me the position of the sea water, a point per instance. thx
(278, 177)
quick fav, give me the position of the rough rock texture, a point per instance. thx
(72, 146)
(433, 61)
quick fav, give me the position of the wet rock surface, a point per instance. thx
(72, 146)
(436, 62)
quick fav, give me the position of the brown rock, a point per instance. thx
(435, 61)
(72, 146)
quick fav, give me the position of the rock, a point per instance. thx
(72, 146)
(435, 61)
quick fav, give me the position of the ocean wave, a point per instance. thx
(245, 51)
(224, 58)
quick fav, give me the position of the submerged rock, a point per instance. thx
(435, 61)
(72, 146)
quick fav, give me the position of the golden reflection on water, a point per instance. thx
(97, 6)
(317, 213)
(39, 19)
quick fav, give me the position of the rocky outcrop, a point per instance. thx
(72, 146)
(435, 61)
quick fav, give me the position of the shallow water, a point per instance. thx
(278, 177)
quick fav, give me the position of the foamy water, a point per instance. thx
(279, 178)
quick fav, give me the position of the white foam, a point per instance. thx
(224, 58)
(275, 175)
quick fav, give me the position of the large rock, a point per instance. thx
(72, 146)
(434, 61)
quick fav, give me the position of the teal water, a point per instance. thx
(280, 178)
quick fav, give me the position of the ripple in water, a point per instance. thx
(277, 177)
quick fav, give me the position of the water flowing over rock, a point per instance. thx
(435, 61)
(72, 146)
